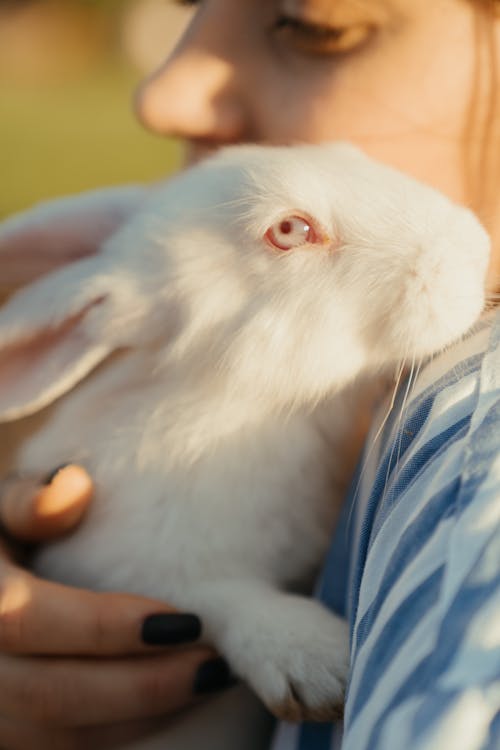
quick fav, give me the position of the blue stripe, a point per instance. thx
(408, 429)
(393, 635)
(418, 410)
(333, 584)
(494, 736)
(434, 709)
(378, 506)
(460, 371)
(429, 453)
(485, 447)
(453, 632)
(414, 538)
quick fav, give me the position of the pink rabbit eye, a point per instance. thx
(292, 231)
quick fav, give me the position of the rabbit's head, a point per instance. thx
(285, 271)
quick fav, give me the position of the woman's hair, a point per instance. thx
(482, 128)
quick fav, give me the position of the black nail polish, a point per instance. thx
(213, 675)
(170, 629)
(50, 477)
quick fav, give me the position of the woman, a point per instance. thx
(414, 85)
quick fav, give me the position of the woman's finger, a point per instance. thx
(72, 692)
(40, 508)
(38, 617)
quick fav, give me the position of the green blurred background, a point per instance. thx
(68, 69)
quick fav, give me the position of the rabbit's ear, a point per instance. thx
(54, 333)
(60, 231)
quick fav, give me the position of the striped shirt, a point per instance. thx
(415, 567)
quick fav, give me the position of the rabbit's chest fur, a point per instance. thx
(189, 483)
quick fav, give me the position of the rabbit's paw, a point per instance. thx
(298, 663)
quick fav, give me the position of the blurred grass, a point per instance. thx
(62, 138)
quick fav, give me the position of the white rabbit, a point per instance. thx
(240, 304)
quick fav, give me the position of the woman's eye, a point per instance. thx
(315, 39)
(292, 232)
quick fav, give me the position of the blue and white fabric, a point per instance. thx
(415, 567)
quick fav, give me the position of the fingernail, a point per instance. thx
(170, 629)
(213, 675)
(50, 477)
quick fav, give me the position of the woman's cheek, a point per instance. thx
(368, 100)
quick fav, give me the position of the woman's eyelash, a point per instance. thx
(313, 38)
(318, 40)
(304, 27)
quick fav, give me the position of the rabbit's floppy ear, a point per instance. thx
(60, 231)
(56, 331)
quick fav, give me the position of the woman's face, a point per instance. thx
(393, 76)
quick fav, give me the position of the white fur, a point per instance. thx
(217, 432)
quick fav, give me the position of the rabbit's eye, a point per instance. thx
(291, 232)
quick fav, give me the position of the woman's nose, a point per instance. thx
(194, 96)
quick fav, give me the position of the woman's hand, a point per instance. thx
(80, 669)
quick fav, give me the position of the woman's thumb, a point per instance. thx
(34, 508)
